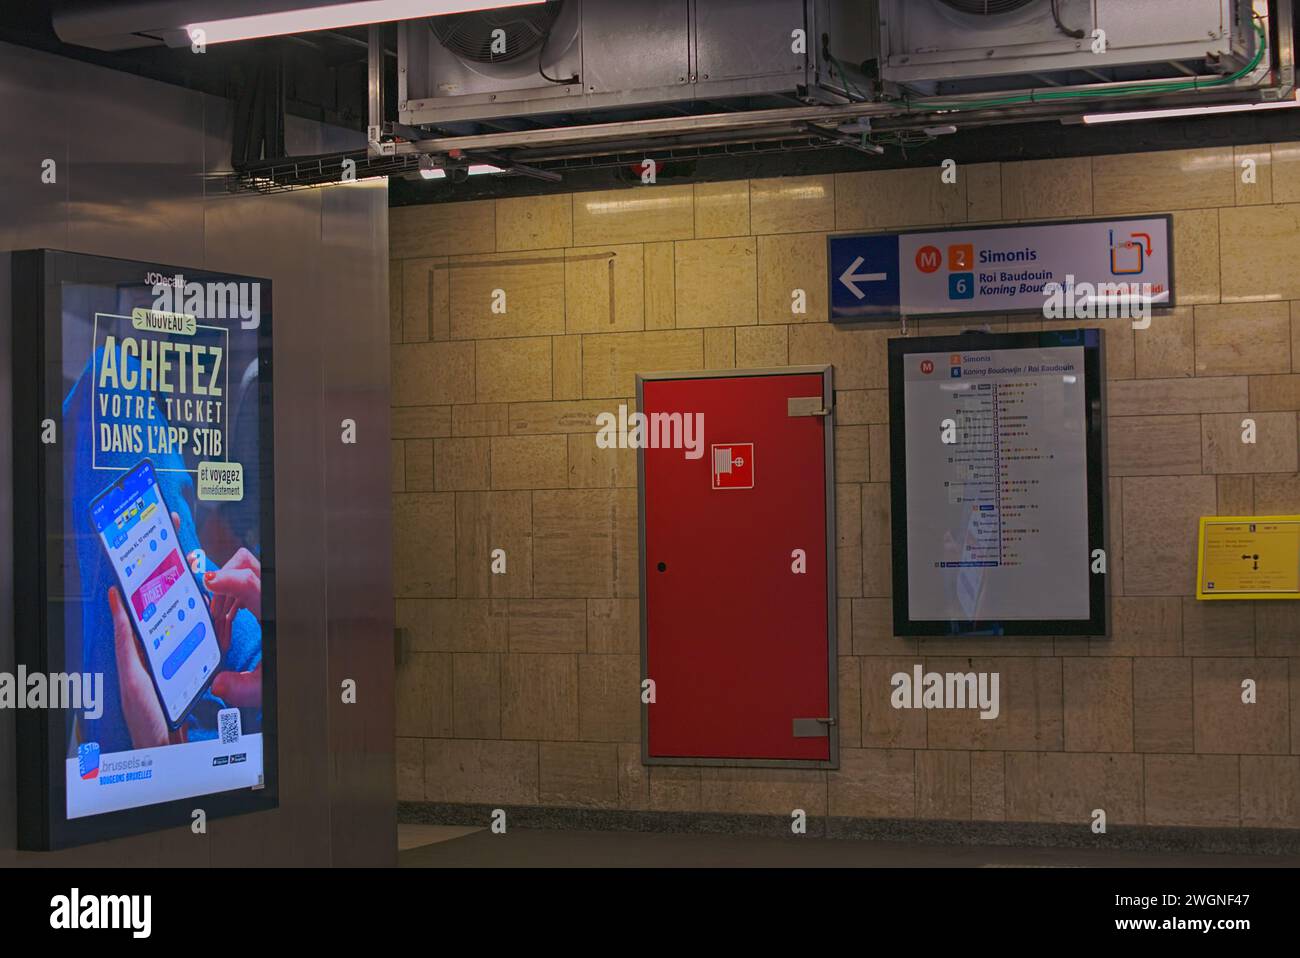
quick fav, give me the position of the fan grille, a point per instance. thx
(986, 8)
(469, 35)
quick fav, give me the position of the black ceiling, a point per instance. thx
(322, 76)
(324, 73)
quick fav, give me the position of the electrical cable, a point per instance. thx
(1173, 86)
(902, 139)
(542, 73)
(541, 53)
(844, 74)
(1056, 15)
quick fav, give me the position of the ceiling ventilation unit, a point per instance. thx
(470, 36)
(986, 7)
(581, 56)
(488, 62)
(946, 47)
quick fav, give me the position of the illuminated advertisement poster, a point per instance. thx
(145, 553)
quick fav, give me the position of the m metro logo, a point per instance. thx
(929, 259)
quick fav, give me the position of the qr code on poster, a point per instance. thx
(228, 723)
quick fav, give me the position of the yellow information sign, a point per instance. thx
(1248, 557)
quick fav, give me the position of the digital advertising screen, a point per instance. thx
(145, 558)
(998, 518)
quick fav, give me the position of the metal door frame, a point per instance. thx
(832, 650)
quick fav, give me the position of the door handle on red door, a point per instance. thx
(805, 406)
(812, 727)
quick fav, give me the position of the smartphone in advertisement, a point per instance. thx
(162, 598)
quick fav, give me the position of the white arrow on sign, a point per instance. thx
(851, 279)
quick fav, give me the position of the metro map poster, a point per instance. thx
(997, 484)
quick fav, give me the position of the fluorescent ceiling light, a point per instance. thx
(1094, 118)
(430, 172)
(333, 17)
(429, 169)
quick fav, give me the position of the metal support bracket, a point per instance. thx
(375, 89)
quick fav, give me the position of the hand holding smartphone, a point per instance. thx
(162, 597)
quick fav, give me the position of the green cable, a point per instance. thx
(848, 82)
(1172, 87)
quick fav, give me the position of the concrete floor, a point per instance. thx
(447, 847)
(413, 836)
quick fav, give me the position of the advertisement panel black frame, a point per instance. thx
(1092, 341)
(40, 640)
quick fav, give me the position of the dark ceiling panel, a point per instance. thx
(322, 76)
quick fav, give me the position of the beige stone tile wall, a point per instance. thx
(523, 688)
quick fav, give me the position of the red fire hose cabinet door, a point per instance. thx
(737, 536)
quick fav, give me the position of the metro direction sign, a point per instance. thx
(1000, 269)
